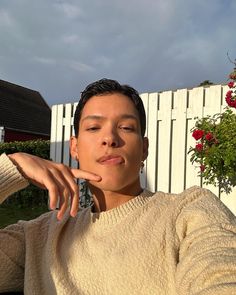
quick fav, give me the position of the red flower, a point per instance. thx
(198, 134)
(199, 147)
(209, 136)
(228, 100)
(202, 167)
(234, 103)
(229, 94)
(231, 84)
(231, 101)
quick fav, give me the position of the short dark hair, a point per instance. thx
(108, 86)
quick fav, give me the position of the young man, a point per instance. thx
(132, 241)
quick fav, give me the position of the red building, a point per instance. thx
(24, 114)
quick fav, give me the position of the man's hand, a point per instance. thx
(57, 178)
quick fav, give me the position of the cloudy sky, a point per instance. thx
(57, 47)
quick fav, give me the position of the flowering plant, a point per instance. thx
(215, 149)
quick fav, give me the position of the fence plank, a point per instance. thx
(213, 98)
(195, 109)
(145, 99)
(60, 131)
(67, 133)
(164, 140)
(178, 169)
(151, 171)
(230, 199)
(53, 138)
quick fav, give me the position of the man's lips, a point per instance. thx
(111, 160)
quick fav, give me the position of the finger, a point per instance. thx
(73, 187)
(63, 206)
(69, 178)
(77, 173)
(74, 204)
(58, 187)
(53, 198)
(53, 190)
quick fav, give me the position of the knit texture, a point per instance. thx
(11, 180)
(153, 244)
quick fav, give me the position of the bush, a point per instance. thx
(40, 148)
(31, 196)
(215, 136)
(214, 151)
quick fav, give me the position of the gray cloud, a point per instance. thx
(58, 47)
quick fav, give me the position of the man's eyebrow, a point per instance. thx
(100, 118)
(129, 116)
(92, 117)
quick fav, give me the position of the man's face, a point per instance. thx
(110, 142)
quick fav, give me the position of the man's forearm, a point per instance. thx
(11, 180)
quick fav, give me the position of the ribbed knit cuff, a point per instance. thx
(11, 179)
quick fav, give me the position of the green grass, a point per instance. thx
(11, 214)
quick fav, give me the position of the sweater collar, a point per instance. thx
(114, 215)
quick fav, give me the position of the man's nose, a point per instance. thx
(110, 139)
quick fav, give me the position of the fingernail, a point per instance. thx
(53, 207)
(73, 213)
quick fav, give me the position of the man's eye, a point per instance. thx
(92, 128)
(127, 128)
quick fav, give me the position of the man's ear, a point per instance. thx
(74, 148)
(145, 148)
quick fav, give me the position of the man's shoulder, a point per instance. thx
(42, 220)
(189, 195)
(191, 199)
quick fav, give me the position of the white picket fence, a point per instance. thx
(170, 117)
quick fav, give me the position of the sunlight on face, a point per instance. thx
(110, 142)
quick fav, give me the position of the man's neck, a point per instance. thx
(107, 200)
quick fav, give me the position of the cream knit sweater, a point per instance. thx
(153, 244)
